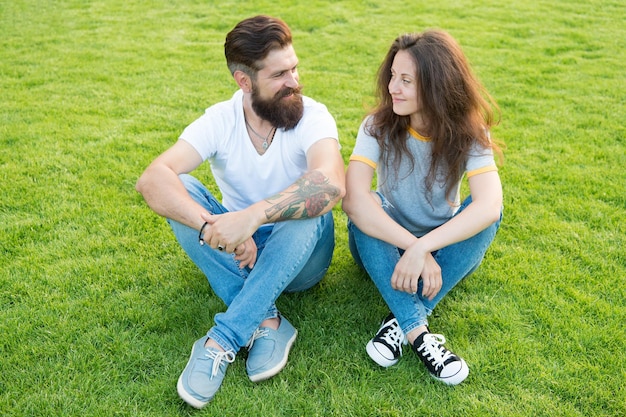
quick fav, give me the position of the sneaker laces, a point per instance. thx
(433, 350)
(218, 357)
(393, 335)
(258, 333)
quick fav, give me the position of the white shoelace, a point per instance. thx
(434, 351)
(218, 357)
(258, 333)
(394, 335)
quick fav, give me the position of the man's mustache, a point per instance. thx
(288, 91)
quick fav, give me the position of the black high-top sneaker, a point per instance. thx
(441, 363)
(386, 347)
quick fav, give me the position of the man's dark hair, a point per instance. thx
(251, 40)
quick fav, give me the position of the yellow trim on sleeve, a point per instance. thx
(488, 168)
(363, 159)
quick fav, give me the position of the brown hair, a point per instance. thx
(457, 109)
(251, 40)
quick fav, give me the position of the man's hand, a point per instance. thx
(246, 254)
(229, 230)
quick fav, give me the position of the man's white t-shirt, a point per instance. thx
(243, 176)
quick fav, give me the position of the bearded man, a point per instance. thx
(275, 156)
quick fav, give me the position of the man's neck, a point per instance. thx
(259, 124)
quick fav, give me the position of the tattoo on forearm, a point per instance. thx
(312, 194)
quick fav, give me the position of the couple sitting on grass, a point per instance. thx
(276, 159)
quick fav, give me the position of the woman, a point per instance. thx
(413, 235)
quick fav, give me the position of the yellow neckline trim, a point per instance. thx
(417, 136)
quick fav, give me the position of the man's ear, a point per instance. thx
(243, 81)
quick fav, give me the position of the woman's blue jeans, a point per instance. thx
(292, 256)
(379, 259)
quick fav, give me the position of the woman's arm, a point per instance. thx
(484, 210)
(363, 207)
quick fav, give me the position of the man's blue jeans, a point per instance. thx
(379, 259)
(292, 256)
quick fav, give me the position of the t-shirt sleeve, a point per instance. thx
(366, 148)
(480, 159)
(203, 133)
(318, 124)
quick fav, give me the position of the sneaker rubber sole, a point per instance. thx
(457, 378)
(378, 357)
(182, 392)
(188, 398)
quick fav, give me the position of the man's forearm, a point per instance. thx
(310, 196)
(167, 196)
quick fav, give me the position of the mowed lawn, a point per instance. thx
(99, 306)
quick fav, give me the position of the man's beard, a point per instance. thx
(279, 112)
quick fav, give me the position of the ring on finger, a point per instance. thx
(220, 247)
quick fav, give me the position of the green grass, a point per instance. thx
(99, 306)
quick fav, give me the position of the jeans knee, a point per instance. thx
(305, 283)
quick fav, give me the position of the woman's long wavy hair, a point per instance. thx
(457, 109)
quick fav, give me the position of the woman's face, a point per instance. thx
(403, 85)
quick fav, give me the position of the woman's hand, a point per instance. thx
(431, 277)
(413, 264)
